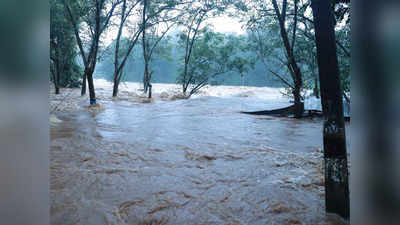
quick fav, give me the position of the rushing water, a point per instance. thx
(196, 161)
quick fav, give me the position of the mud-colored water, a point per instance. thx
(195, 161)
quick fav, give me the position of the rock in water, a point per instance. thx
(54, 120)
(164, 94)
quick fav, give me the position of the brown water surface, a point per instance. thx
(194, 161)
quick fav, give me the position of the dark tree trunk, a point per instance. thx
(83, 90)
(115, 87)
(58, 78)
(117, 80)
(299, 105)
(57, 82)
(184, 88)
(316, 91)
(117, 68)
(150, 87)
(57, 70)
(56, 87)
(144, 45)
(115, 90)
(144, 83)
(92, 95)
(335, 156)
(57, 90)
(146, 77)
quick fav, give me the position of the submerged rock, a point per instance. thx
(164, 94)
(178, 96)
(245, 94)
(54, 120)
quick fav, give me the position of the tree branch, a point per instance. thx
(281, 78)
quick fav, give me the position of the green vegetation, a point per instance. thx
(213, 55)
(65, 71)
(277, 50)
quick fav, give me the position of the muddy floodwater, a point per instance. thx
(196, 161)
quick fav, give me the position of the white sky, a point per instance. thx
(226, 24)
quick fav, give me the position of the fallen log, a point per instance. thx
(290, 110)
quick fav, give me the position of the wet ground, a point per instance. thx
(196, 161)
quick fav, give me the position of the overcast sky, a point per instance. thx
(226, 24)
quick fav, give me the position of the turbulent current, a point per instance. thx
(194, 161)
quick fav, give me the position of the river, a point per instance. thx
(195, 161)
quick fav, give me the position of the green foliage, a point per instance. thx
(217, 58)
(63, 46)
(163, 61)
(266, 43)
(344, 37)
(167, 61)
(214, 54)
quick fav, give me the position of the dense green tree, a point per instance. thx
(295, 49)
(264, 14)
(213, 54)
(192, 22)
(64, 68)
(265, 42)
(166, 61)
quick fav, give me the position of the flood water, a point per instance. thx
(196, 161)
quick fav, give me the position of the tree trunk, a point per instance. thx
(57, 82)
(117, 80)
(150, 87)
(115, 87)
(298, 83)
(146, 77)
(145, 58)
(84, 77)
(298, 104)
(57, 90)
(184, 88)
(316, 91)
(56, 87)
(92, 95)
(57, 73)
(144, 83)
(117, 44)
(115, 90)
(146, 71)
(335, 156)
